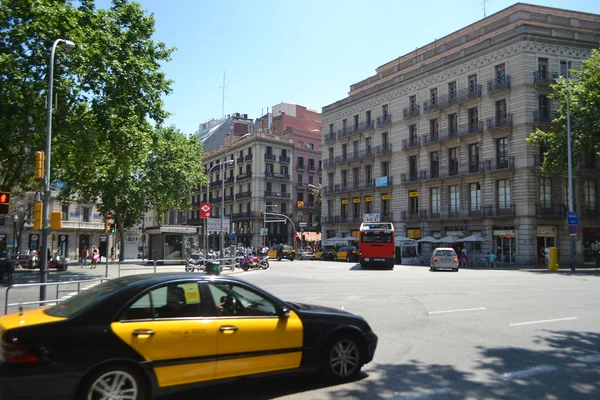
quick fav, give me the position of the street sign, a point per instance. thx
(214, 224)
(264, 231)
(109, 215)
(59, 184)
(204, 210)
(302, 224)
(572, 229)
(573, 218)
(231, 235)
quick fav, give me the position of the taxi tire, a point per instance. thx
(325, 366)
(91, 377)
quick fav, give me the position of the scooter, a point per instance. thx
(194, 263)
(255, 262)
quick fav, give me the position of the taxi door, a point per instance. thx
(167, 327)
(251, 337)
(273, 253)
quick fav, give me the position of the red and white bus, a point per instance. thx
(377, 245)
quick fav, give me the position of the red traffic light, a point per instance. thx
(4, 198)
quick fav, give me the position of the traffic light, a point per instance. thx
(40, 159)
(113, 227)
(56, 220)
(4, 203)
(261, 213)
(105, 225)
(37, 216)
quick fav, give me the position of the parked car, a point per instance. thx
(444, 258)
(138, 336)
(348, 253)
(280, 251)
(305, 254)
(326, 254)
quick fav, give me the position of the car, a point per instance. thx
(348, 253)
(444, 258)
(326, 254)
(146, 335)
(281, 251)
(305, 255)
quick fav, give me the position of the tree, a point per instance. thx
(584, 89)
(317, 191)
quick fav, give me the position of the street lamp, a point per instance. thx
(15, 241)
(227, 162)
(67, 45)
(570, 162)
(221, 166)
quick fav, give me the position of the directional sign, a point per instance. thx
(231, 235)
(59, 184)
(204, 210)
(573, 218)
(572, 229)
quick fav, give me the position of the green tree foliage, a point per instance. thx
(108, 143)
(584, 89)
(318, 201)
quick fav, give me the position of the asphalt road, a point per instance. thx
(475, 334)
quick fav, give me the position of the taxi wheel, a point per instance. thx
(113, 381)
(342, 359)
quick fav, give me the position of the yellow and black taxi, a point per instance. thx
(281, 251)
(141, 336)
(348, 253)
(326, 254)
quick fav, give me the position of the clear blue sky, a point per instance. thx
(305, 52)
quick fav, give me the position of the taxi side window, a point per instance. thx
(175, 300)
(234, 300)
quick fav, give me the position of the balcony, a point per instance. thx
(271, 157)
(413, 177)
(301, 185)
(454, 170)
(330, 137)
(411, 143)
(300, 167)
(248, 158)
(216, 183)
(590, 163)
(432, 104)
(450, 214)
(498, 84)
(246, 175)
(590, 213)
(229, 180)
(544, 78)
(384, 120)
(215, 199)
(243, 195)
(328, 163)
(309, 205)
(499, 164)
(239, 160)
(384, 181)
(275, 175)
(284, 159)
(383, 149)
(353, 130)
(327, 220)
(281, 195)
(245, 215)
(551, 210)
(452, 98)
(411, 111)
(501, 122)
(506, 210)
(311, 168)
(413, 215)
(543, 116)
(229, 197)
(341, 219)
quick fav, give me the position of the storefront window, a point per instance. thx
(591, 244)
(506, 244)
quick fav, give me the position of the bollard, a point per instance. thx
(553, 260)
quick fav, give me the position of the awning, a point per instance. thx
(310, 236)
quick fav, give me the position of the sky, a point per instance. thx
(305, 52)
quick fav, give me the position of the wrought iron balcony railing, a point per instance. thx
(543, 116)
(245, 175)
(269, 156)
(243, 195)
(547, 209)
(497, 164)
(245, 215)
(248, 157)
(355, 129)
(300, 167)
(544, 77)
(498, 84)
(330, 136)
(276, 175)
(411, 143)
(284, 159)
(384, 120)
(411, 111)
(282, 195)
(499, 210)
(500, 122)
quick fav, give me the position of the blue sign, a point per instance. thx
(231, 235)
(59, 184)
(573, 218)
(572, 229)
(381, 181)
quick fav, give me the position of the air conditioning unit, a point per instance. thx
(307, 146)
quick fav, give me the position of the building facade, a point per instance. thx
(436, 140)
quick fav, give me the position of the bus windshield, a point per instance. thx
(377, 237)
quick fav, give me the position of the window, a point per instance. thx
(368, 145)
(310, 179)
(501, 114)
(542, 67)
(283, 207)
(300, 179)
(412, 100)
(454, 198)
(283, 188)
(475, 197)
(385, 208)
(344, 124)
(543, 108)
(269, 168)
(413, 204)
(355, 148)
(474, 157)
(412, 168)
(311, 146)
(344, 178)
(269, 150)
(434, 164)
(435, 200)
(452, 90)
(433, 129)
(356, 210)
(368, 207)
(330, 207)
(473, 119)
(300, 162)
(330, 180)
(384, 112)
(344, 211)
(565, 68)
(175, 300)
(433, 95)
(472, 82)
(412, 135)
(385, 140)
(453, 161)
(385, 168)
(368, 117)
(65, 212)
(589, 193)
(368, 174)
(356, 122)
(502, 152)
(331, 129)
(501, 73)
(86, 214)
(331, 153)
(344, 151)
(545, 193)
(285, 170)
(355, 176)
(452, 124)
(232, 299)
(503, 190)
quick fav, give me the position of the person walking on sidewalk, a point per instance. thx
(84, 256)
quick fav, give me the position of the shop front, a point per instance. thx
(546, 238)
(413, 252)
(506, 243)
(591, 244)
(172, 242)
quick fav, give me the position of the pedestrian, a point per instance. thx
(84, 256)
(492, 260)
(112, 255)
(547, 256)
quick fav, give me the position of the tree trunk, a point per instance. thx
(121, 236)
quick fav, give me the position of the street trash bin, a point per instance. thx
(212, 268)
(553, 260)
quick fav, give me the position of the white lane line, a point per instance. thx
(543, 321)
(591, 359)
(540, 369)
(426, 394)
(461, 310)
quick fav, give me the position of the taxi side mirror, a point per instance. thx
(284, 312)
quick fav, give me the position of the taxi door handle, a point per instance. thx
(143, 332)
(228, 329)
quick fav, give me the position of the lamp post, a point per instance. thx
(15, 241)
(220, 166)
(570, 166)
(223, 164)
(67, 45)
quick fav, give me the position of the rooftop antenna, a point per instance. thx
(223, 87)
(483, 3)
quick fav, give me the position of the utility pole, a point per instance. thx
(570, 160)
(223, 87)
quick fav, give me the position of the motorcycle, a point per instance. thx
(194, 263)
(250, 262)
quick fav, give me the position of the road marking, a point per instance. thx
(424, 394)
(540, 369)
(452, 311)
(591, 359)
(543, 321)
